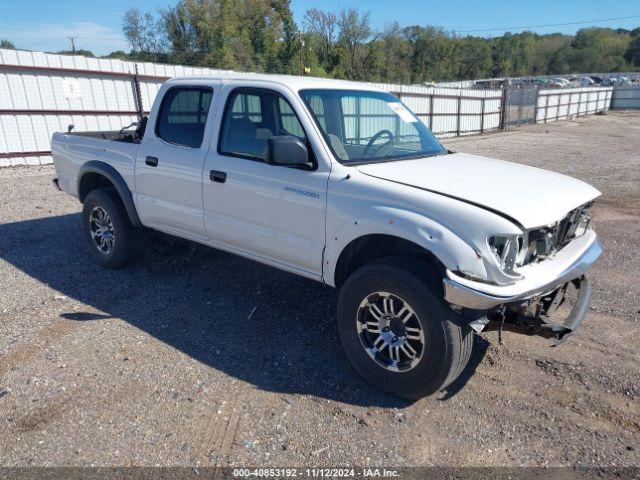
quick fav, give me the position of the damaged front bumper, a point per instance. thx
(531, 305)
(548, 316)
(570, 263)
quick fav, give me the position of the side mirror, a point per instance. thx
(288, 151)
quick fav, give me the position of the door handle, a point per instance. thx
(151, 161)
(217, 176)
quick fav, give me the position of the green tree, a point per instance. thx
(144, 33)
(632, 55)
(79, 51)
(396, 55)
(244, 34)
(354, 33)
(321, 35)
(474, 55)
(599, 50)
(546, 48)
(261, 35)
(432, 54)
(180, 26)
(7, 44)
(292, 42)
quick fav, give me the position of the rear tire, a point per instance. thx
(113, 240)
(419, 345)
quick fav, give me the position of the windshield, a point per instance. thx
(367, 127)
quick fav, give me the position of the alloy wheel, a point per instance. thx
(101, 228)
(390, 331)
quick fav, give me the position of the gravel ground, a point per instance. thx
(195, 357)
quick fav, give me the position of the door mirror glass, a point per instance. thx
(287, 150)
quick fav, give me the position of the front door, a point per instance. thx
(273, 213)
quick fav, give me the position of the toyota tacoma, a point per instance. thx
(341, 183)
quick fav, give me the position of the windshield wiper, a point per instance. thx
(367, 161)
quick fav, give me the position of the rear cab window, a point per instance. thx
(183, 115)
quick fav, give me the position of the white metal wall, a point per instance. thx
(561, 104)
(43, 93)
(626, 98)
(452, 112)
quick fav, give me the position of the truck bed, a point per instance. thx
(72, 150)
(111, 135)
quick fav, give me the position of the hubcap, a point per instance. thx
(390, 331)
(101, 229)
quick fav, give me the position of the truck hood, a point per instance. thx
(531, 196)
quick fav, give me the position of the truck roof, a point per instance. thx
(292, 81)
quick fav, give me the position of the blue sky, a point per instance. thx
(46, 24)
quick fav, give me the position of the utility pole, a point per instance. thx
(73, 44)
(301, 52)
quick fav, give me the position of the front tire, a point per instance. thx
(398, 331)
(113, 240)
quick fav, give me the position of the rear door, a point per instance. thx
(273, 213)
(171, 158)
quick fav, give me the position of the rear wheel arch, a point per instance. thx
(375, 247)
(96, 174)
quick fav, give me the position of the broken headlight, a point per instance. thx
(505, 250)
(542, 243)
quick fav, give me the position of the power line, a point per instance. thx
(503, 29)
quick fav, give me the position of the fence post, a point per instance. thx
(482, 115)
(579, 104)
(535, 104)
(520, 105)
(431, 112)
(503, 106)
(546, 108)
(458, 116)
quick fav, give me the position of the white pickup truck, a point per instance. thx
(340, 182)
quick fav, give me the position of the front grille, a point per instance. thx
(546, 241)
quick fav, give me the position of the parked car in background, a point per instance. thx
(596, 79)
(562, 82)
(622, 81)
(540, 81)
(341, 183)
(555, 84)
(586, 82)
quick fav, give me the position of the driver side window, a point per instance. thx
(252, 116)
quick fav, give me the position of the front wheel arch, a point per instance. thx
(374, 247)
